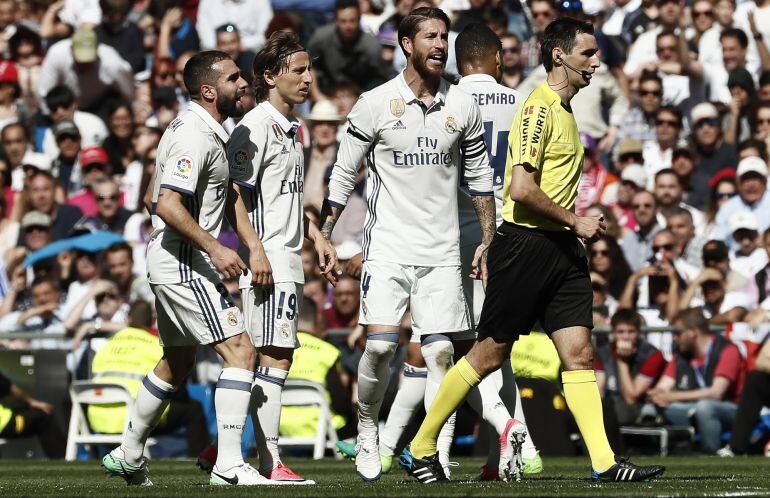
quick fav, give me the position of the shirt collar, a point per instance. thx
(288, 127)
(202, 113)
(408, 94)
(473, 78)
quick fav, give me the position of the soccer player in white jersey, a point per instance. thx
(186, 265)
(412, 131)
(477, 49)
(266, 172)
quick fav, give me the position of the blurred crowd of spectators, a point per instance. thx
(676, 126)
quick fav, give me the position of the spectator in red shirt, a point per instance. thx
(702, 383)
(626, 370)
(343, 312)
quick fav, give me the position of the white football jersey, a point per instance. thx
(191, 160)
(413, 156)
(266, 158)
(498, 106)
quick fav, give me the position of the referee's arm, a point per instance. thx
(525, 190)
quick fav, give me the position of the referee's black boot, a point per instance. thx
(425, 470)
(625, 471)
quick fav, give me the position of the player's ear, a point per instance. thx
(557, 55)
(408, 47)
(269, 78)
(208, 92)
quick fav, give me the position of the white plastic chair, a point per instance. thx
(306, 393)
(95, 393)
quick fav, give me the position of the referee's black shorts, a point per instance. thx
(535, 276)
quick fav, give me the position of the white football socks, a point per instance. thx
(266, 414)
(410, 394)
(151, 399)
(231, 401)
(373, 373)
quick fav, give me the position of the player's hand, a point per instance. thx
(261, 271)
(590, 228)
(479, 264)
(625, 349)
(227, 262)
(327, 261)
(44, 407)
(354, 266)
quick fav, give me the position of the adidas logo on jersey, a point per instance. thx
(399, 126)
(284, 150)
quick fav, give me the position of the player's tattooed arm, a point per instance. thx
(329, 216)
(485, 210)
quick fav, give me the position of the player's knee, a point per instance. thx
(381, 347)
(242, 353)
(579, 357)
(438, 351)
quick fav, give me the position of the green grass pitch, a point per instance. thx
(685, 476)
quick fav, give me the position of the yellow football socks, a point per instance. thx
(584, 402)
(456, 385)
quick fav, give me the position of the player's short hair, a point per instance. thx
(410, 25)
(39, 172)
(274, 57)
(140, 315)
(475, 43)
(626, 317)
(59, 96)
(199, 70)
(692, 318)
(562, 33)
(736, 33)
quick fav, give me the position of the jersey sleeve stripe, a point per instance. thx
(357, 134)
(181, 190)
(468, 143)
(244, 184)
(335, 204)
(476, 193)
(475, 154)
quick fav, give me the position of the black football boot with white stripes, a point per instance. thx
(426, 470)
(625, 471)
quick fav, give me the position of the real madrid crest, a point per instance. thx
(232, 320)
(397, 107)
(284, 329)
(450, 125)
(278, 131)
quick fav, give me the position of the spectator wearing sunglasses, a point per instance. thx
(713, 152)
(639, 123)
(95, 166)
(110, 214)
(62, 107)
(658, 153)
(637, 245)
(747, 257)
(511, 61)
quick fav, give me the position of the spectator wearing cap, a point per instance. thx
(18, 151)
(669, 195)
(744, 100)
(639, 122)
(41, 191)
(251, 16)
(95, 166)
(722, 188)
(11, 108)
(228, 40)
(747, 257)
(118, 32)
(633, 179)
(595, 179)
(68, 143)
(63, 107)
(712, 151)
(111, 215)
(35, 230)
(629, 151)
(343, 52)
(752, 197)
(389, 43)
(92, 70)
(637, 245)
(324, 119)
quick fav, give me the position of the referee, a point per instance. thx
(537, 263)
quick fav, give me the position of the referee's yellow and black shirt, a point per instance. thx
(545, 135)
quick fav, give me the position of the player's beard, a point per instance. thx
(229, 106)
(421, 66)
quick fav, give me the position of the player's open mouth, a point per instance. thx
(437, 58)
